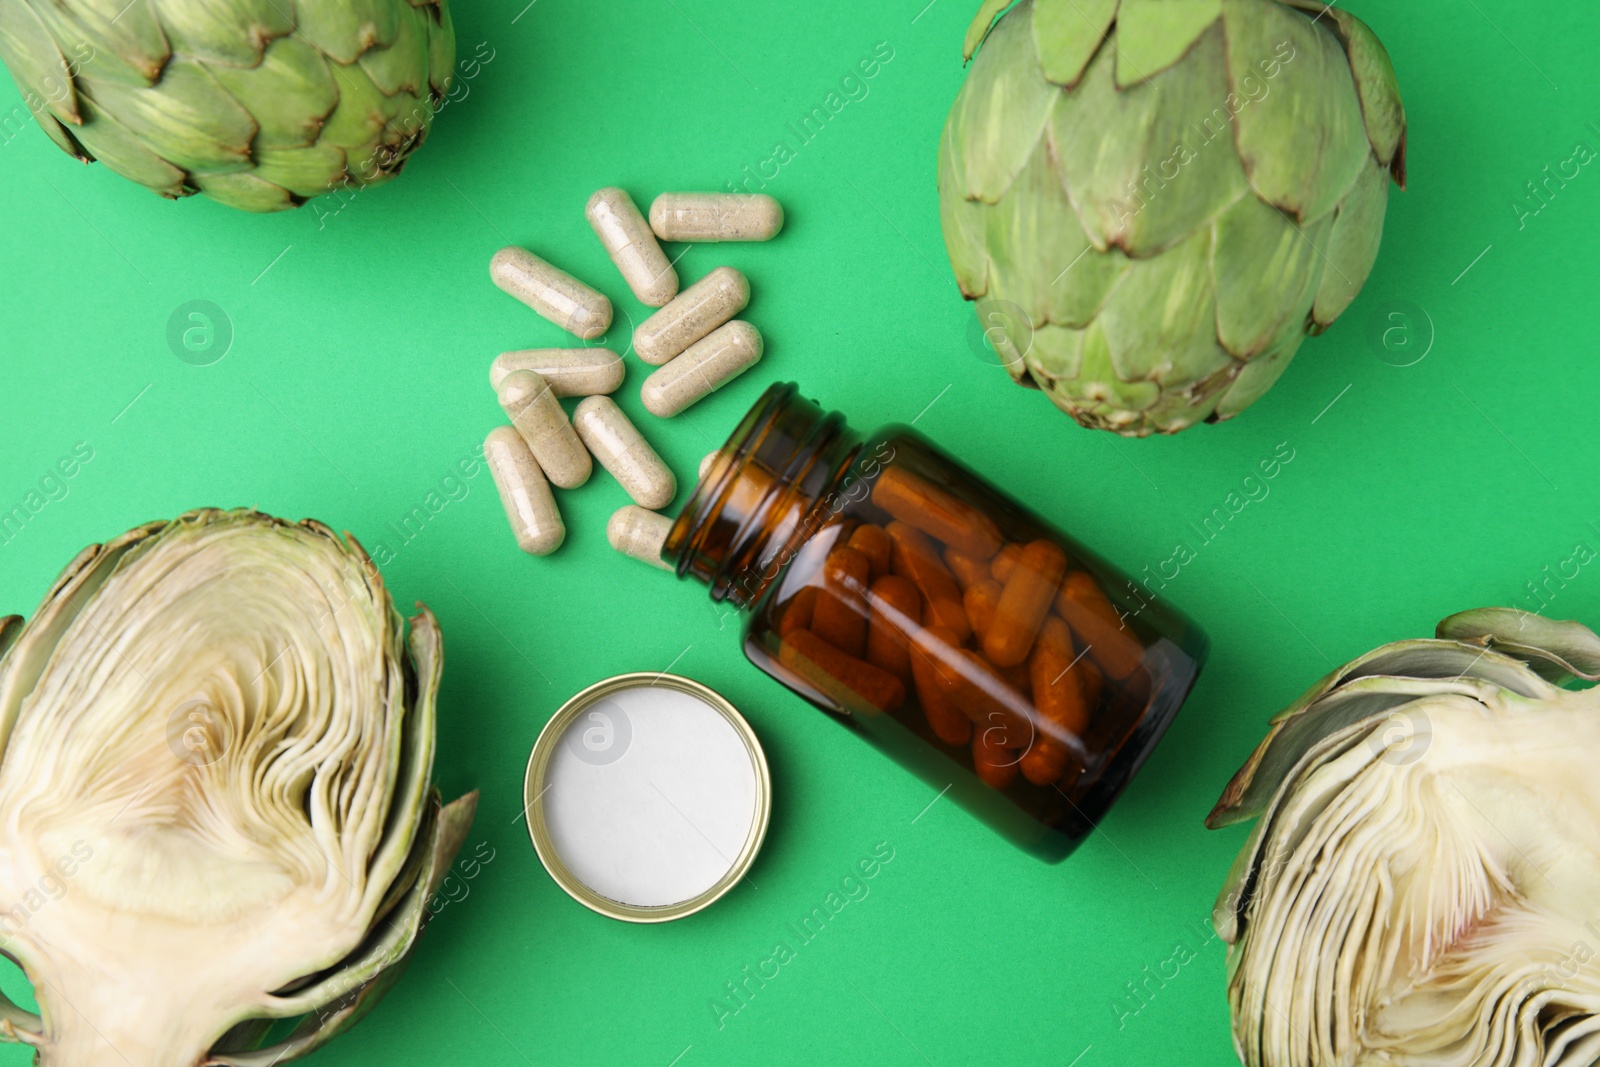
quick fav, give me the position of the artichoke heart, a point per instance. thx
(1154, 202)
(1419, 889)
(216, 746)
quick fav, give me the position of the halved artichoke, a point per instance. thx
(1422, 886)
(216, 745)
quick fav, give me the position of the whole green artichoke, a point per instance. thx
(1156, 200)
(261, 104)
(216, 753)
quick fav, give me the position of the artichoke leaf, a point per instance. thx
(441, 49)
(403, 65)
(406, 127)
(30, 649)
(119, 40)
(1099, 136)
(1379, 91)
(1067, 34)
(345, 30)
(963, 221)
(1002, 109)
(361, 114)
(1180, 408)
(1148, 165)
(438, 847)
(319, 1028)
(1556, 650)
(234, 34)
(1302, 140)
(1409, 668)
(10, 630)
(1446, 659)
(112, 144)
(1262, 370)
(1264, 269)
(37, 64)
(188, 120)
(290, 94)
(1160, 321)
(246, 192)
(18, 1024)
(415, 734)
(982, 23)
(1352, 246)
(1055, 353)
(1040, 257)
(1152, 35)
(1078, 277)
(305, 172)
(63, 136)
(1107, 396)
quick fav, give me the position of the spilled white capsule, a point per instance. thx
(623, 451)
(711, 217)
(524, 492)
(631, 246)
(536, 413)
(707, 365)
(642, 534)
(552, 292)
(570, 371)
(692, 314)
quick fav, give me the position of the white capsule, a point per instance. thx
(711, 217)
(533, 409)
(570, 371)
(692, 314)
(706, 463)
(631, 246)
(524, 493)
(552, 292)
(635, 532)
(705, 367)
(623, 451)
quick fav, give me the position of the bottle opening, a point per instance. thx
(755, 506)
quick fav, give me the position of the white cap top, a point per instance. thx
(648, 797)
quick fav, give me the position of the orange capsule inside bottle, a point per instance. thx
(1026, 598)
(839, 615)
(937, 617)
(896, 614)
(874, 543)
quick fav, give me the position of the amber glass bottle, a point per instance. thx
(939, 618)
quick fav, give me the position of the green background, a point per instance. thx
(356, 380)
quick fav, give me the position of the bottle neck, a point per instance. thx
(766, 493)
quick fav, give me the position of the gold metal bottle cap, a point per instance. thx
(647, 797)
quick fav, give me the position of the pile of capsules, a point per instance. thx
(694, 341)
